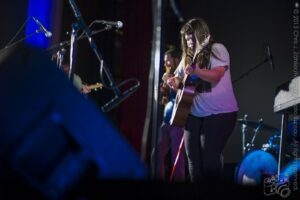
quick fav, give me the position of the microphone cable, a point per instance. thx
(18, 32)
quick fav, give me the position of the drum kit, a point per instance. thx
(260, 162)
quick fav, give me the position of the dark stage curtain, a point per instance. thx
(135, 63)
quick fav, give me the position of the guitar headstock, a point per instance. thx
(203, 44)
(95, 86)
(99, 85)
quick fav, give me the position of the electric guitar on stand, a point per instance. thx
(185, 94)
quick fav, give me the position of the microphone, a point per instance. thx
(118, 99)
(270, 57)
(117, 24)
(46, 32)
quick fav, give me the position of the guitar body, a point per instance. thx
(182, 105)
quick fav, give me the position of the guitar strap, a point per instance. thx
(202, 86)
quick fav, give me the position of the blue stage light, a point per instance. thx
(41, 10)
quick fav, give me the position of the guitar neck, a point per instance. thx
(95, 86)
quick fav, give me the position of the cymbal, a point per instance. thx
(254, 124)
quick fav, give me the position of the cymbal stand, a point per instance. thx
(255, 132)
(244, 131)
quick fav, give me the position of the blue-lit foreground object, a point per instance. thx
(54, 142)
(290, 170)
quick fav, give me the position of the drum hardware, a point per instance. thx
(244, 130)
(273, 145)
(255, 132)
(258, 165)
(254, 124)
(257, 126)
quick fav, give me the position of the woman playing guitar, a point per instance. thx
(203, 80)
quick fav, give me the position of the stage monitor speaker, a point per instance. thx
(52, 137)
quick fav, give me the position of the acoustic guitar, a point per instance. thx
(185, 94)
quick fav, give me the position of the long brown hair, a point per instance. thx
(200, 30)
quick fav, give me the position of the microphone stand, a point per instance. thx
(252, 69)
(119, 96)
(73, 44)
(81, 24)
